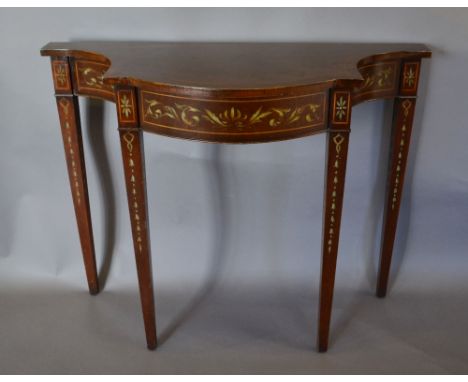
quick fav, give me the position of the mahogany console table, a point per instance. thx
(235, 93)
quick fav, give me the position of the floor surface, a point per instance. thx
(55, 329)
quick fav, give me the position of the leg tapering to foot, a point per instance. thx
(337, 151)
(132, 153)
(72, 141)
(401, 134)
(131, 139)
(403, 113)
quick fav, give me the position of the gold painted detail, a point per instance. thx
(125, 106)
(93, 77)
(406, 107)
(338, 140)
(409, 77)
(341, 108)
(60, 74)
(65, 105)
(378, 78)
(129, 137)
(90, 78)
(232, 116)
(406, 104)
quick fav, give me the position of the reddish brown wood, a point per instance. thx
(245, 93)
(401, 135)
(131, 140)
(404, 106)
(61, 75)
(235, 121)
(335, 169)
(380, 81)
(235, 92)
(69, 116)
(74, 154)
(88, 79)
(233, 69)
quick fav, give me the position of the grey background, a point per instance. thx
(236, 230)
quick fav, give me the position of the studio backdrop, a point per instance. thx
(235, 229)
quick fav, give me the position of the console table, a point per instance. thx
(234, 93)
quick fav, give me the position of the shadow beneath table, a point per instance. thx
(95, 132)
(219, 204)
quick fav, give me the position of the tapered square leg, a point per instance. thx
(73, 144)
(401, 136)
(335, 171)
(131, 139)
(403, 114)
(69, 115)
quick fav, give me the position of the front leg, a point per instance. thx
(131, 139)
(69, 114)
(337, 152)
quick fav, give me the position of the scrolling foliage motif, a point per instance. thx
(93, 77)
(381, 78)
(378, 78)
(191, 117)
(90, 75)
